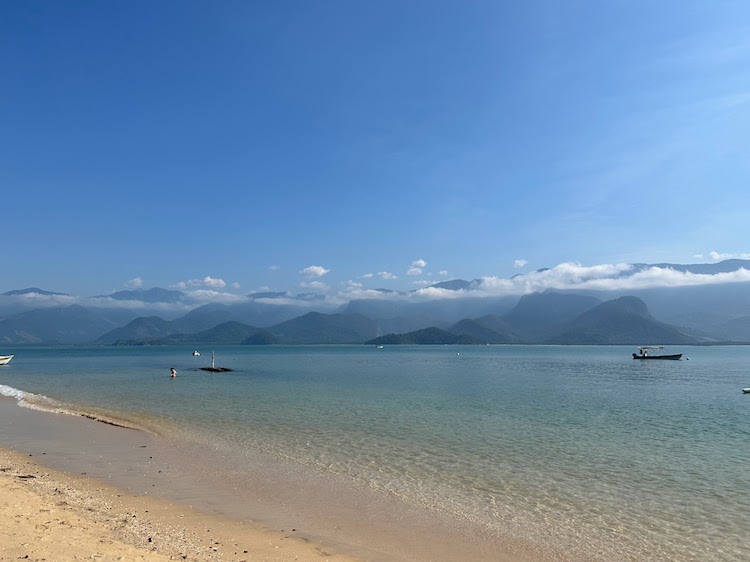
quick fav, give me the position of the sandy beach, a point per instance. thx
(74, 488)
(57, 505)
(50, 515)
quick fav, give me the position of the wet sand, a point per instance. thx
(106, 489)
(52, 514)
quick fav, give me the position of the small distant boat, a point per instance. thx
(746, 391)
(654, 352)
(380, 347)
(196, 354)
(5, 359)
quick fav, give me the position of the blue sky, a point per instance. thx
(241, 146)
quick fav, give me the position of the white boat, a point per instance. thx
(746, 390)
(5, 359)
(196, 354)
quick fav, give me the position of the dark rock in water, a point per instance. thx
(216, 369)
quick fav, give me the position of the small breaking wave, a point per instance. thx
(44, 404)
(31, 401)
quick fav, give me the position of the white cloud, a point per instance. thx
(208, 281)
(416, 267)
(214, 283)
(564, 276)
(367, 276)
(209, 295)
(274, 267)
(316, 285)
(235, 285)
(605, 277)
(386, 275)
(443, 272)
(163, 307)
(726, 256)
(136, 283)
(520, 263)
(314, 271)
(38, 300)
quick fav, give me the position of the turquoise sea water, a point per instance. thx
(578, 448)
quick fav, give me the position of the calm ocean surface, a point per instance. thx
(577, 447)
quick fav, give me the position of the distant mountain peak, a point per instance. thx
(268, 295)
(458, 285)
(32, 290)
(724, 266)
(152, 295)
(454, 285)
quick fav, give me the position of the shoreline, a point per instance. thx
(277, 515)
(58, 505)
(48, 514)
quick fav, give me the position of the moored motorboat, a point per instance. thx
(654, 352)
(746, 391)
(5, 359)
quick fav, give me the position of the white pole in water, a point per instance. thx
(212, 360)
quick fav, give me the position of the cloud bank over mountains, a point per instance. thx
(314, 293)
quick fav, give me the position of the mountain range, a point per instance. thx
(461, 313)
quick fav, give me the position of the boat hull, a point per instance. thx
(5, 359)
(675, 357)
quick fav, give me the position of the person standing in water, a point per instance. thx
(173, 373)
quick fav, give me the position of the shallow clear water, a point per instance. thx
(579, 448)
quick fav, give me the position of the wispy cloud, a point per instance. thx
(518, 264)
(209, 295)
(315, 285)
(38, 300)
(606, 277)
(728, 256)
(387, 275)
(617, 277)
(136, 283)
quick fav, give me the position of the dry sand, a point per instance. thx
(53, 516)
